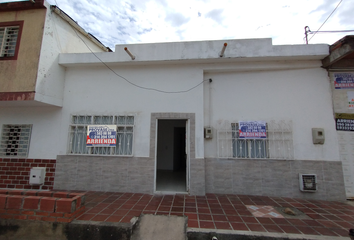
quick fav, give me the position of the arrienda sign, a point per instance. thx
(343, 80)
(101, 136)
(252, 129)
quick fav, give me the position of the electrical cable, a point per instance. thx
(337, 31)
(327, 18)
(134, 84)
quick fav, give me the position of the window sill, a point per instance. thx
(100, 155)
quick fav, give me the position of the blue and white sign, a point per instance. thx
(343, 80)
(101, 136)
(252, 129)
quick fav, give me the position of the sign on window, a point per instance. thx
(252, 129)
(101, 136)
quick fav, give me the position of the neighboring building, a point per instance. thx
(179, 110)
(32, 34)
(340, 66)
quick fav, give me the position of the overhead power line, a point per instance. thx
(337, 31)
(134, 84)
(308, 31)
(326, 19)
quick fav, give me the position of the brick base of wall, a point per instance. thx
(14, 173)
(41, 206)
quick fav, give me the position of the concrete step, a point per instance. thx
(158, 227)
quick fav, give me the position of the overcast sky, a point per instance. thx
(142, 21)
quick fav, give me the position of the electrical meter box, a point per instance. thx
(37, 176)
(318, 136)
(208, 133)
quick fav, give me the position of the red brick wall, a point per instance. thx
(14, 173)
(41, 205)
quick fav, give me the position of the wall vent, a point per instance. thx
(308, 182)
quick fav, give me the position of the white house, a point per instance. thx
(178, 112)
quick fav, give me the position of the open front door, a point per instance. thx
(172, 155)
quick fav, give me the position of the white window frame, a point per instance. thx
(15, 140)
(78, 132)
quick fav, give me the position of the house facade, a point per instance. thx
(231, 116)
(32, 34)
(340, 66)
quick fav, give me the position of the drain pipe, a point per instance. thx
(223, 50)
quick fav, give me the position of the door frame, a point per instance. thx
(190, 140)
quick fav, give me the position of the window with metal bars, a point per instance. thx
(9, 39)
(78, 134)
(277, 145)
(248, 148)
(15, 140)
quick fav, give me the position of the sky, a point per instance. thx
(146, 21)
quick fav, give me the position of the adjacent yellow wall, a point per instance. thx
(20, 75)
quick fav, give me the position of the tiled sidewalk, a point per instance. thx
(228, 212)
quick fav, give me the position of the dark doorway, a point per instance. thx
(171, 156)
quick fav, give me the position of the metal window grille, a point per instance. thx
(125, 135)
(277, 145)
(15, 140)
(8, 40)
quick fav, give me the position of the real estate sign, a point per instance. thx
(101, 136)
(343, 80)
(252, 129)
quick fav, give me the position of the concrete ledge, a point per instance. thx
(202, 234)
(86, 230)
(77, 230)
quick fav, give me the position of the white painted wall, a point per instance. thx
(58, 37)
(46, 128)
(300, 95)
(96, 90)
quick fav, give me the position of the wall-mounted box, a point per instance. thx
(308, 182)
(37, 176)
(318, 136)
(208, 133)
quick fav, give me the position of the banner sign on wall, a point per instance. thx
(345, 124)
(252, 129)
(101, 136)
(343, 80)
(350, 100)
